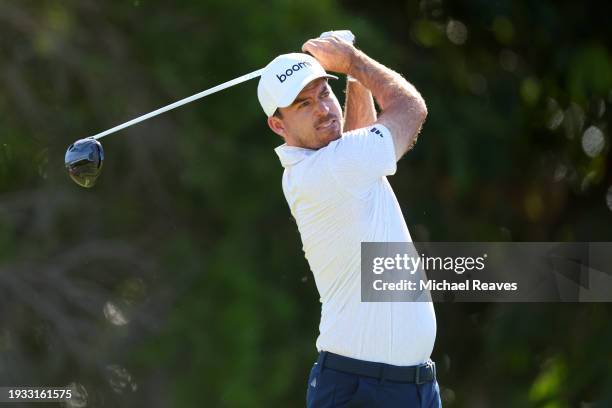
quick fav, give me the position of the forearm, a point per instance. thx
(388, 87)
(403, 110)
(359, 109)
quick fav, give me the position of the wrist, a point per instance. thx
(353, 67)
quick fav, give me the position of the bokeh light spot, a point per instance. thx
(530, 90)
(456, 32)
(120, 379)
(609, 198)
(503, 30)
(593, 141)
(79, 396)
(555, 114)
(114, 315)
(427, 33)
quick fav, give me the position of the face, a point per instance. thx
(313, 120)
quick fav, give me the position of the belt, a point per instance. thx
(418, 374)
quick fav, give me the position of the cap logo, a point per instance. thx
(296, 67)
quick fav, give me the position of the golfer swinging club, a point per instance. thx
(370, 354)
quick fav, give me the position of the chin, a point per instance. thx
(330, 135)
(325, 140)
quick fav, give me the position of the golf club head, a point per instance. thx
(84, 159)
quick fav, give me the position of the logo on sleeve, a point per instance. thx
(378, 132)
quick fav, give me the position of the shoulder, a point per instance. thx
(376, 129)
(372, 134)
(374, 140)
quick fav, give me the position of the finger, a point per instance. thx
(306, 45)
(309, 46)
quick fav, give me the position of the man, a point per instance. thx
(370, 354)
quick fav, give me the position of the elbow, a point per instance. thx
(413, 108)
(421, 110)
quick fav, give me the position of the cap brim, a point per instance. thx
(290, 96)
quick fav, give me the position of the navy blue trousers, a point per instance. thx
(329, 388)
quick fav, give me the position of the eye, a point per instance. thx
(325, 93)
(304, 104)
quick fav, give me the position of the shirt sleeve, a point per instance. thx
(362, 157)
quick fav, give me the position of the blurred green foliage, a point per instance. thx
(179, 279)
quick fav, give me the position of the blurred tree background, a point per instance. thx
(179, 280)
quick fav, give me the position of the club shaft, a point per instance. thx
(182, 102)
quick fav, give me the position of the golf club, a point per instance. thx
(84, 158)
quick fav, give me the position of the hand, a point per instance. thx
(333, 53)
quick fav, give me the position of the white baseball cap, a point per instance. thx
(284, 78)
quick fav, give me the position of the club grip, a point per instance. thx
(346, 35)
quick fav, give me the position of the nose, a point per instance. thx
(322, 108)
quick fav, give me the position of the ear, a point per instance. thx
(277, 126)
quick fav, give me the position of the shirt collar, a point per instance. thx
(292, 155)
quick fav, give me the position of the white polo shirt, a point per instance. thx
(340, 197)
